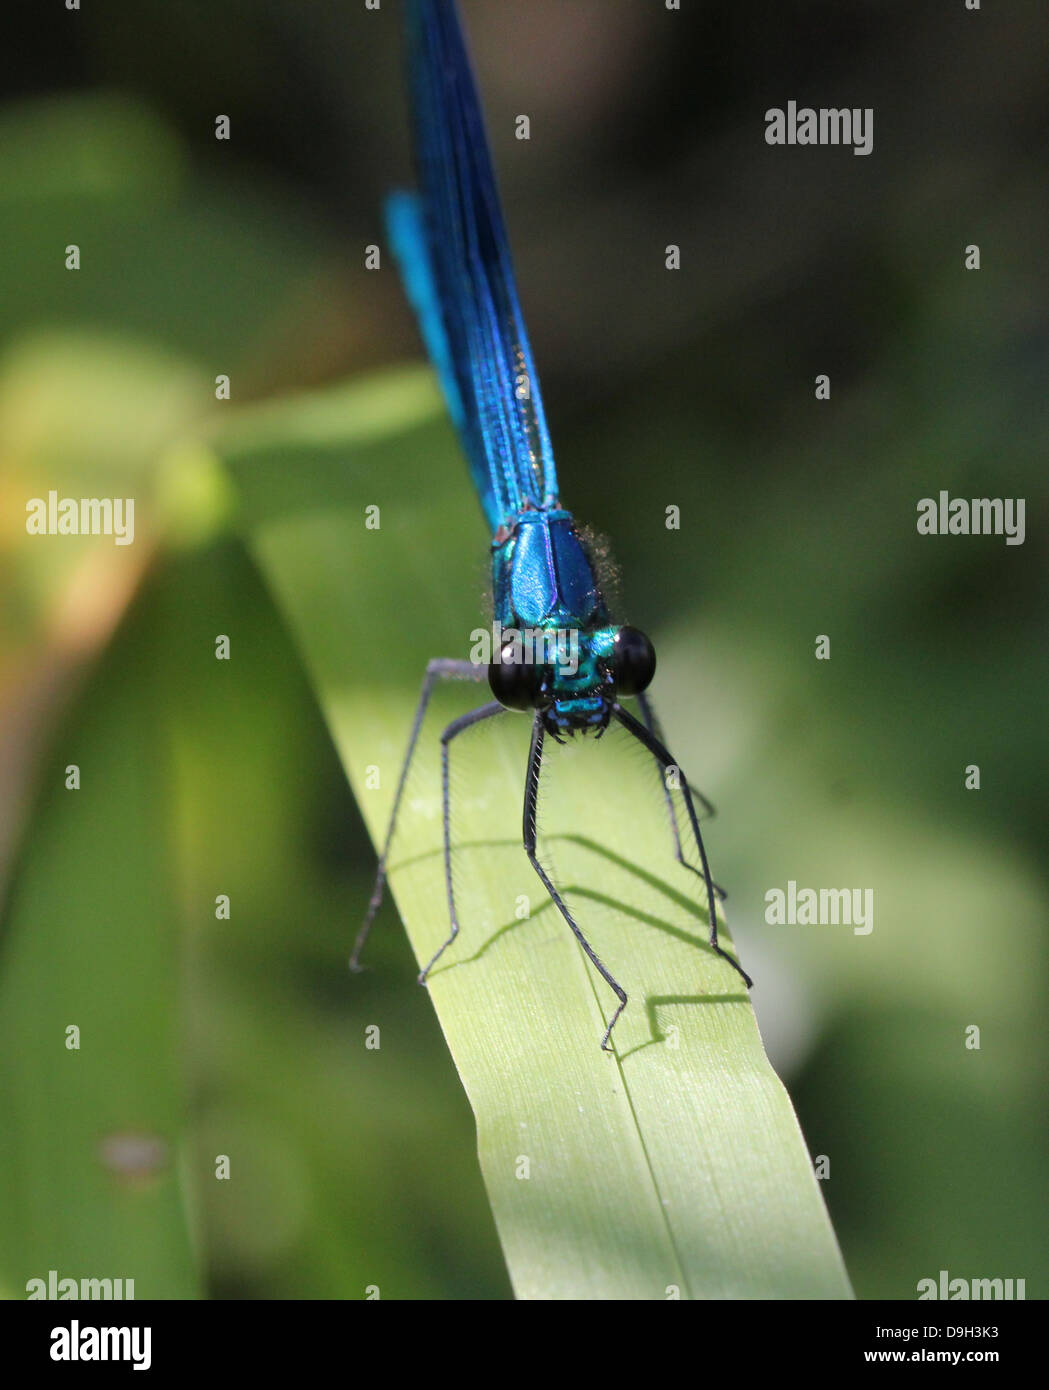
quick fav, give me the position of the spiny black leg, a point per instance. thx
(655, 747)
(455, 728)
(535, 759)
(648, 714)
(442, 668)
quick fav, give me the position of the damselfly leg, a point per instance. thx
(531, 804)
(657, 749)
(441, 668)
(648, 715)
(454, 729)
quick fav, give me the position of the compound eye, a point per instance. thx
(635, 659)
(514, 684)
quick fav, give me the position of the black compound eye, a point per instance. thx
(635, 659)
(514, 684)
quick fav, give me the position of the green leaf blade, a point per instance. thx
(674, 1169)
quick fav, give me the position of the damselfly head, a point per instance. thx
(515, 682)
(634, 660)
(576, 695)
(587, 715)
(572, 688)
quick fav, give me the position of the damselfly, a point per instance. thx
(451, 244)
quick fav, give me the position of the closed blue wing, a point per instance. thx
(407, 228)
(455, 260)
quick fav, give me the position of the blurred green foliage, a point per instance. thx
(353, 1168)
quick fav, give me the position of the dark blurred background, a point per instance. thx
(695, 388)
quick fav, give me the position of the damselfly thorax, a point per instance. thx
(544, 578)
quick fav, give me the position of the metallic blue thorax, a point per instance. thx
(542, 575)
(543, 580)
